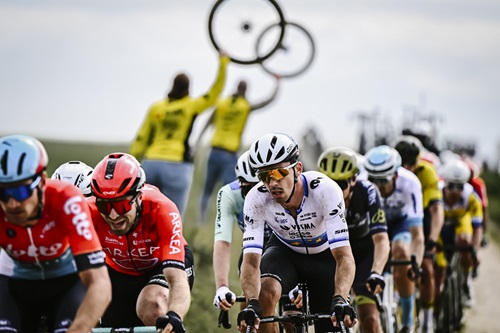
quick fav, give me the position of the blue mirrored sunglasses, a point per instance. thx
(19, 193)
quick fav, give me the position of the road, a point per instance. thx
(484, 316)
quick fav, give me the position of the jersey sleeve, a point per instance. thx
(333, 210)
(225, 215)
(253, 236)
(376, 214)
(169, 224)
(210, 98)
(476, 210)
(415, 210)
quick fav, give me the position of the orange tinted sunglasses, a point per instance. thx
(276, 174)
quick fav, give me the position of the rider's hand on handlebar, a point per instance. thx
(249, 315)
(221, 300)
(342, 311)
(295, 296)
(172, 322)
(375, 283)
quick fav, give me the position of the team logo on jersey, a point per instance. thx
(379, 217)
(315, 183)
(73, 206)
(248, 219)
(175, 240)
(334, 212)
(280, 221)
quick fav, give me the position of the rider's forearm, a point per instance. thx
(345, 271)
(381, 251)
(250, 275)
(437, 220)
(179, 297)
(95, 302)
(477, 236)
(221, 259)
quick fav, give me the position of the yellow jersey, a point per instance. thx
(230, 117)
(164, 134)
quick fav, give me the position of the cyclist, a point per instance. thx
(367, 231)
(229, 119)
(479, 186)
(463, 222)
(52, 264)
(310, 241)
(409, 147)
(76, 173)
(162, 142)
(148, 259)
(229, 210)
(402, 202)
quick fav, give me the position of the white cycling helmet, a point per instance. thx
(21, 157)
(244, 170)
(456, 171)
(382, 162)
(76, 173)
(272, 149)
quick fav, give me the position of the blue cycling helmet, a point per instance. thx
(382, 162)
(21, 157)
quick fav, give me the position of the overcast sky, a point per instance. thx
(89, 69)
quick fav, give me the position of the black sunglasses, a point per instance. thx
(455, 186)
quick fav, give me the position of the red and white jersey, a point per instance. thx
(62, 242)
(156, 240)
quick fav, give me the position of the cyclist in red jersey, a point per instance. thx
(52, 263)
(149, 261)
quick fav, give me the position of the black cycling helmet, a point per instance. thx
(409, 147)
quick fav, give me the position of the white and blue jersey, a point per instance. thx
(403, 207)
(320, 222)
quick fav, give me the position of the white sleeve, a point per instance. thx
(253, 236)
(334, 214)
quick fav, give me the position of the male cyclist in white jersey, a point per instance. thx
(402, 202)
(310, 240)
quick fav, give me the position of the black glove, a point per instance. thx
(249, 313)
(430, 245)
(375, 280)
(340, 308)
(173, 319)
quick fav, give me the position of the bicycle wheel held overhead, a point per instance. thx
(234, 27)
(295, 54)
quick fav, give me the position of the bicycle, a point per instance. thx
(161, 323)
(389, 303)
(301, 321)
(449, 319)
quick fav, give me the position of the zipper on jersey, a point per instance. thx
(33, 251)
(130, 253)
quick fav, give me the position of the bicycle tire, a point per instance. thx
(258, 59)
(301, 69)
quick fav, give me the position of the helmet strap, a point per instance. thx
(295, 180)
(40, 205)
(138, 214)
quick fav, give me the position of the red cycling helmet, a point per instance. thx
(116, 176)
